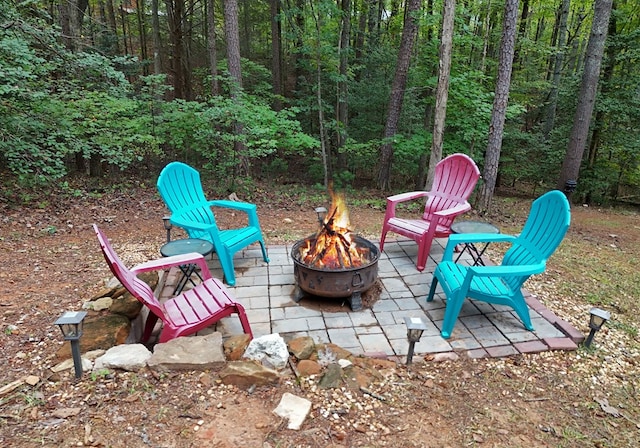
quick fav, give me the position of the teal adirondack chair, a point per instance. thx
(181, 189)
(545, 228)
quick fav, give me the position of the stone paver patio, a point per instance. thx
(483, 330)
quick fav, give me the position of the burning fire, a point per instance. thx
(333, 247)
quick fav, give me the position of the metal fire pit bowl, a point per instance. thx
(338, 283)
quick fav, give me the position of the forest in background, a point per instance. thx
(299, 90)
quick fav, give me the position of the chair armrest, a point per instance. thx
(188, 224)
(175, 260)
(465, 238)
(392, 201)
(241, 206)
(403, 197)
(454, 211)
(507, 271)
(246, 207)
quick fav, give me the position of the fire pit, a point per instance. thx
(334, 263)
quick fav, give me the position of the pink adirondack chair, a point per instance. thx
(184, 314)
(454, 180)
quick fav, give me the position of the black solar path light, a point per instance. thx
(70, 324)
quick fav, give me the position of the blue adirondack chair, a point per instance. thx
(181, 189)
(545, 228)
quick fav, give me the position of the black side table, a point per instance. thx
(474, 227)
(185, 246)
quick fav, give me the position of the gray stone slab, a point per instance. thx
(290, 325)
(395, 331)
(407, 304)
(260, 329)
(258, 315)
(294, 312)
(395, 285)
(432, 344)
(385, 318)
(385, 305)
(250, 291)
(344, 337)
(363, 318)
(337, 320)
(376, 343)
(376, 329)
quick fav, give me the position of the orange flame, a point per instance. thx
(332, 247)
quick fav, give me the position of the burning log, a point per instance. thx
(333, 247)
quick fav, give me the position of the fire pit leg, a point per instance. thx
(355, 301)
(298, 294)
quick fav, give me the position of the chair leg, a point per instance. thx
(264, 252)
(226, 260)
(451, 312)
(432, 290)
(424, 247)
(149, 326)
(522, 310)
(383, 237)
(246, 327)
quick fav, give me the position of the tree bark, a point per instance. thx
(501, 99)
(442, 90)
(175, 13)
(557, 71)
(142, 33)
(409, 33)
(607, 76)
(211, 47)
(157, 42)
(586, 98)
(232, 36)
(342, 104)
(276, 54)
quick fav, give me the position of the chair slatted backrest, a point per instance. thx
(454, 179)
(181, 190)
(139, 289)
(542, 233)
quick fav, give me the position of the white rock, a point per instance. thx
(293, 408)
(130, 357)
(270, 349)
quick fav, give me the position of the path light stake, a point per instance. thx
(70, 324)
(597, 320)
(322, 213)
(415, 328)
(167, 226)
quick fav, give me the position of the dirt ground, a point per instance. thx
(51, 262)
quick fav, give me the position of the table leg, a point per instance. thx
(476, 254)
(187, 271)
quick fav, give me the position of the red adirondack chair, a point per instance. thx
(186, 313)
(454, 180)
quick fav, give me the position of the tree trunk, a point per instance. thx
(409, 33)
(607, 76)
(442, 90)
(557, 71)
(232, 36)
(342, 104)
(276, 54)
(326, 162)
(157, 42)
(586, 98)
(142, 33)
(211, 47)
(175, 13)
(498, 115)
